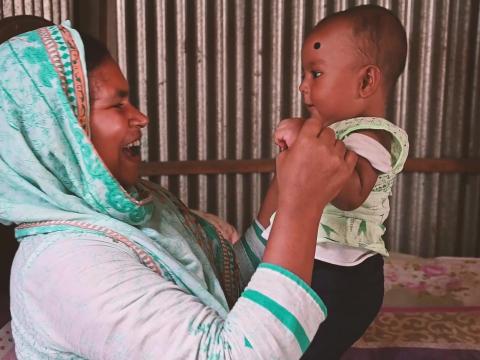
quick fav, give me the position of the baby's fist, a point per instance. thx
(287, 131)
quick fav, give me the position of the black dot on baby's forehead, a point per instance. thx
(317, 45)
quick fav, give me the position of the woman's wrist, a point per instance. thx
(304, 208)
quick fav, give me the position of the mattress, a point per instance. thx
(431, 310)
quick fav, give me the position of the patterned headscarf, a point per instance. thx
(45, 154)
(52, 179)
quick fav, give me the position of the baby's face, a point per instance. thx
(330, 72)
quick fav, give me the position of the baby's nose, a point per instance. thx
(303, 88)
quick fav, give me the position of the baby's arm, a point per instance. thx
(355, 191)
(269, 204)
(284, 136)
(361, 182)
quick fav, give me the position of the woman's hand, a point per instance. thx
(313, 169)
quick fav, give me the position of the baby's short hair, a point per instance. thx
(380, 36)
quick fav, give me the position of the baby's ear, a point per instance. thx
(370, 78)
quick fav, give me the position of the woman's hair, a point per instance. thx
(95, 51)
(15, 25)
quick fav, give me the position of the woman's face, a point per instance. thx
(115, 123)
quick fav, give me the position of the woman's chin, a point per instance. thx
(128, 178)
(129, 170)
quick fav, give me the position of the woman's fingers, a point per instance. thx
(327, 136)
(340, 148)
(351, 159)
(312, 127)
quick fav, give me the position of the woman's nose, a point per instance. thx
(138, 119)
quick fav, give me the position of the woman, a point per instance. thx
(110, 267)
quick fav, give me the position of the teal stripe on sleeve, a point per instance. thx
(298, 281)
(251, 255)
(282, 314)
(259, 231)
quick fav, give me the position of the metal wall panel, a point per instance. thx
(215, 76)
(54, 10)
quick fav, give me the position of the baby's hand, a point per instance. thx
(287, 131)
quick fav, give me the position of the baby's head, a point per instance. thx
(351, 62)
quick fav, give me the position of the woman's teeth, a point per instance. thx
(135, 143)
(133, 148)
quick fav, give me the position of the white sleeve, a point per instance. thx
(371, 150)
(91, 297)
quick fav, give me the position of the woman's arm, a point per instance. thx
(88, 296)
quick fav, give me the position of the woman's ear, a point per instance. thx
(370, 78)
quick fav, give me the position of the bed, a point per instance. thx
(431, 311)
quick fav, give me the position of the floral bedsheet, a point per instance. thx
(431, 310)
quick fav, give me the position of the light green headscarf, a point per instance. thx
(52, 180)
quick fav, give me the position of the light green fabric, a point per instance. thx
(363, 227)
(51, 172)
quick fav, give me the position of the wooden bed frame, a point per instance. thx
(421, 165)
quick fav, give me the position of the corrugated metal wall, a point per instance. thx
(54, 10)
(437, 103)
(215, 76)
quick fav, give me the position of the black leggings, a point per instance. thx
(353, 296)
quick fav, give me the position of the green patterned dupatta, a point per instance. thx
(53, 181)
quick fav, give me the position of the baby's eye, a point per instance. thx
(316, 74)
(118, 106)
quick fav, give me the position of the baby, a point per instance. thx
(351, 62)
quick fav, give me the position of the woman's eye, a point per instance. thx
(316, 74)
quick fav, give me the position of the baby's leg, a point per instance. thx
(353, 296)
